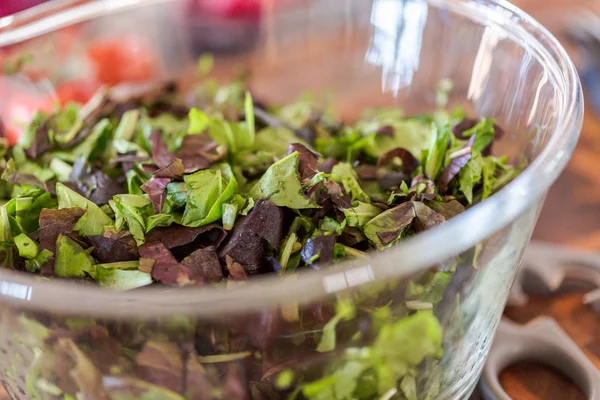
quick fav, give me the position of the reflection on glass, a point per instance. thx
(397, 40)
(16, 290)
(483, 61)
(347, 279)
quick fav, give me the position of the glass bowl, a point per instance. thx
(261, 340)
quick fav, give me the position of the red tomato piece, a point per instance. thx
(233, 8)
(122, 60)
(19, 107)
(78, 91)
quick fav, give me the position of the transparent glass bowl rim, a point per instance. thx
(416, 253)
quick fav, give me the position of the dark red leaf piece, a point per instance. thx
(109, 250)
(392, 179)
(197, 152)
(160, 153)
(263, 327)
(352, 236)
(234, 386)
(385, 130)
(246, 248)
(448, 209)
(176, 236)
(456, 164)
(166, 268)
(161, 363)
(335, 192)
(41, 141)
(327, 165)
(263, 225)
(402, 216)
(128, 158)
(266, 220)
(308, 160)
(198, 384)
(263, 391)
(205, 263)
(387, 237)
(156, 189)
(106, 188)
(321, 246)
(54, 222)
(426, 217)
(462, 126)
(92, 183)
(173, 170)
(409, 162)
(235, 269)
(367, 172)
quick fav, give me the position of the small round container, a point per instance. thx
(261, 340)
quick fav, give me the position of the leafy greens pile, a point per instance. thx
(143, 189)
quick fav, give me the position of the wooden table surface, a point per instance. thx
(571, 216)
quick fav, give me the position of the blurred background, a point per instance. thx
(572, 211)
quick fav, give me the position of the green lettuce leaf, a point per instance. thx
(429, 288)
(61, 169)
(233, 135)
(409, 387)
(132, 209)
(27, 210)
(389, 226)
(157, 220)
(230, 211)
(408, 133)
(328, 224)
(20, 167)
(35, 265)
(435, 155)
(280, 184)
(344, 173)
(373, 372)
(93, 222)
(95, 142)
(72, 261)
(28, 136)
(344, 311)
(485, 133)
(488, 172)
(360, 213)
(127, 126)
(26, 247)
(203, 188)
(173, 129)
(121, 279)
(275, 141)
(207, 191)
(470, 175)
(249, 111)
(401, 346)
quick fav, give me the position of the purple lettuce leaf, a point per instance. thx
(319, 250)
(205, 263)
(307, 160)
(156, 189)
